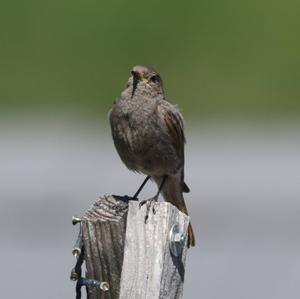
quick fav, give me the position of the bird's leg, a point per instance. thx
(152, 199)
(141, 187)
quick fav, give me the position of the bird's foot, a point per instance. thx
(149, 203)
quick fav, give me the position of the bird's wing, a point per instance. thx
(174, 123)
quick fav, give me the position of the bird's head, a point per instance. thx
(145, 80)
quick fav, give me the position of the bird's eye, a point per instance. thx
(154, 79)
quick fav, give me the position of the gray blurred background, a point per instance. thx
(233, 69)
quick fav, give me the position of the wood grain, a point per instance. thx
(149, 269)
(104, 227)
(133, 256)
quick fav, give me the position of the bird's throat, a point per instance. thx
(134, 86)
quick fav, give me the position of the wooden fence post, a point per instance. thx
(104, 227)
(150, 271)
(132, 256)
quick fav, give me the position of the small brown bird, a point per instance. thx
(148, 134)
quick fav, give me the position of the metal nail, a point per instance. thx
(77, 249)
(74, 275)
(104, 286)
(75, 220)
(93, 283)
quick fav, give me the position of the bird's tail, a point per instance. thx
(172, 192)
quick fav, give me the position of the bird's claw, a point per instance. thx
(149, 202)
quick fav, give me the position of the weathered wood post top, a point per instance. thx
(137, 259)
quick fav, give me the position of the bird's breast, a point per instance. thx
(142, 139)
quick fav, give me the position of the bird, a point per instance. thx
(148, 133)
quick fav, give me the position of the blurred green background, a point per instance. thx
(218, 58)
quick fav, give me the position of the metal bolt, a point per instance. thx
(177, 240)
